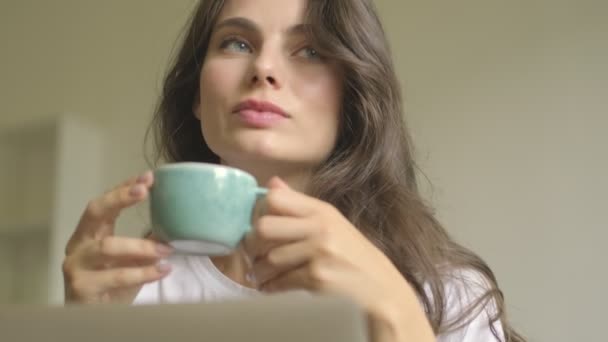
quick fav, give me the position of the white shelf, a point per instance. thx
(48, 171)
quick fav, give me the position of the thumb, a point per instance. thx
(277, 183)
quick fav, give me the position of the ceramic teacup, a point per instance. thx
(202, 208)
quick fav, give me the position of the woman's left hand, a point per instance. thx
(301, 242)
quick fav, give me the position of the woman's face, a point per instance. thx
(266, 95)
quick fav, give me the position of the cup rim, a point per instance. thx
(206, 166)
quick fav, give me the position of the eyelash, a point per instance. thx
(226, 43)
(316, 55)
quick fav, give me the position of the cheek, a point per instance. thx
(323, 90)
(218, 82)
(321, 100)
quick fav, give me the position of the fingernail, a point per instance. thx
(163, 266)
(142, 177)
(163, 250)
(137, 190)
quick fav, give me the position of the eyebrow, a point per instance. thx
(248, 25)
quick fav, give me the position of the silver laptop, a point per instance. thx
(293, 318)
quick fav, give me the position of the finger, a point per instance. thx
(116, 250)
(282, 259)
(284, 201)
(153, 237)
(128, 276)
(146, 178)
(270, 231)
(277, 183)
(99, 215)
(306, 277)
(133, 187)
(106, 208)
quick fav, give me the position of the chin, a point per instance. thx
(265, 149)
(260, 145)
(249, 150)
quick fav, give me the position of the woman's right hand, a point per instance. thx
(100, 267)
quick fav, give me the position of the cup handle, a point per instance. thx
(260, 192)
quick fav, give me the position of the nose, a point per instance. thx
(266, 68)
(269, 80)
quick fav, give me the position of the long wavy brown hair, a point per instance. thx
(370, 175)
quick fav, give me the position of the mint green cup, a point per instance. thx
(201, 208)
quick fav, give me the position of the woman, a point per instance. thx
(304, 96)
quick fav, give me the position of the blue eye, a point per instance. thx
(235, 45)
(309, 53)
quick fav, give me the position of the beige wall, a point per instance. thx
(101, 60)
(507, 103)
(505, 100)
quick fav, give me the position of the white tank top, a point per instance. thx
(192, 279)
(196, 279)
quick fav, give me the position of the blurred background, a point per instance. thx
(506, 101)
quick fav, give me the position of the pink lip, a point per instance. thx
(259, 114)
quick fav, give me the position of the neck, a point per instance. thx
(297, 176)
(234, 267)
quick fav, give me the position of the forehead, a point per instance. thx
(277, 14)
